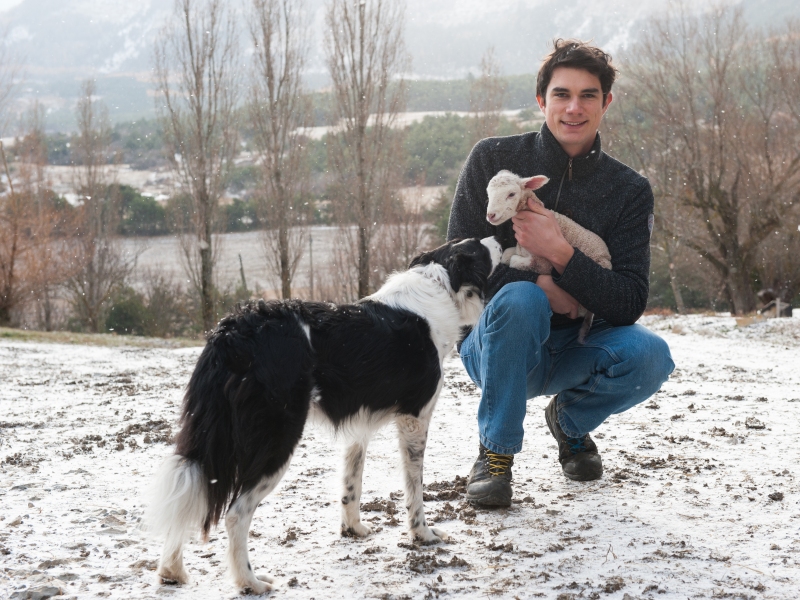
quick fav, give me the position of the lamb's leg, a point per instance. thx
(351, 496)
(413, 436)
(585, 327)
(237, 522)
(520, 262)
(508, 254)
(520, 258)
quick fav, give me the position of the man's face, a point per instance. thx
(573, 109)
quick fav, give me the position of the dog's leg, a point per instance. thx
(413, 436)
(178, 507)
(170, 567)
(351, 495)
(237, 522)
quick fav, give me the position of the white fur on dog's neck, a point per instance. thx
(425, 290)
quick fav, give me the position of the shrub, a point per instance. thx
(141, 215)
(128, 313)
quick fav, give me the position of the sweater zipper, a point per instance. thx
(560, 185)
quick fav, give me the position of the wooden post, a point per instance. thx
(310, 265)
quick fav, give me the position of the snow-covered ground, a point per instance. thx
(700, 497)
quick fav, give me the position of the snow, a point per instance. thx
(700, 496)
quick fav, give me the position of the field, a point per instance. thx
(700, 497)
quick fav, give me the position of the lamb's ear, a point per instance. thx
(535, 182)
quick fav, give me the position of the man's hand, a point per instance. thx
(560, 301)
(537, 230)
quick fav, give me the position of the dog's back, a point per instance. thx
(373, 357)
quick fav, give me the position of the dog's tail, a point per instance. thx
(178, 503)
(244, 409)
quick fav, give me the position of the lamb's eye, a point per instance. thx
(512, 194)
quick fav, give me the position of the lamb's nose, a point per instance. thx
(491, 217)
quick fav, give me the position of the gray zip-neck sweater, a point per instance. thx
(597, 191)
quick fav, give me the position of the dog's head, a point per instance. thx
(468, 264)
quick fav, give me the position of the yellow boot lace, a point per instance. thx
(498, 464)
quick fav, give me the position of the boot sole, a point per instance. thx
(583, 477)
(489, 501)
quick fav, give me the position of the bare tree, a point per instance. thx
(487, 93)
(195, 63)
(45, 264)
(11, 207)
(366, 59)
(13, 220)
(718, 138)
(406, 233)
(278, 109)
(778, 255)
(651, 151)
(99, 266)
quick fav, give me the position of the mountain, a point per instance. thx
(62, 42)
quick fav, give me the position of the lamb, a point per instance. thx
(508, 194)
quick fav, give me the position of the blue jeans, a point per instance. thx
(512, 355)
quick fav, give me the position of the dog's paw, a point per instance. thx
(260, 584)
(358, 530)
(430, 535)
(172, 577)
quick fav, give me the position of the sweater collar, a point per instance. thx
(556, 161)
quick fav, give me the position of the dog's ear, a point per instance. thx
(468, 263)
(437, 255)
(456, 264)
(421, 259)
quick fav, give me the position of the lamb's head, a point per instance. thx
(508, 194)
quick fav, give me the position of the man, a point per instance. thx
(525, 344)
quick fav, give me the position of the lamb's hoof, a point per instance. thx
(357, 530)
(520, 262)
(261, 584)
(508, 254)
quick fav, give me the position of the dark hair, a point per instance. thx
(576, 54)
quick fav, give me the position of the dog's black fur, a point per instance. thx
(261, 362)
(270, 364)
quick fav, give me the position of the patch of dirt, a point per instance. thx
(428, 562)
(156, 431)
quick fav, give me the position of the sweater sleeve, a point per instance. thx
(618, 295)
(468, 212)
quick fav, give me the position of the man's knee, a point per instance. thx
(652, 357)
(660, 356)
(521, 302)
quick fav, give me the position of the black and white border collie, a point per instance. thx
(270, 367)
